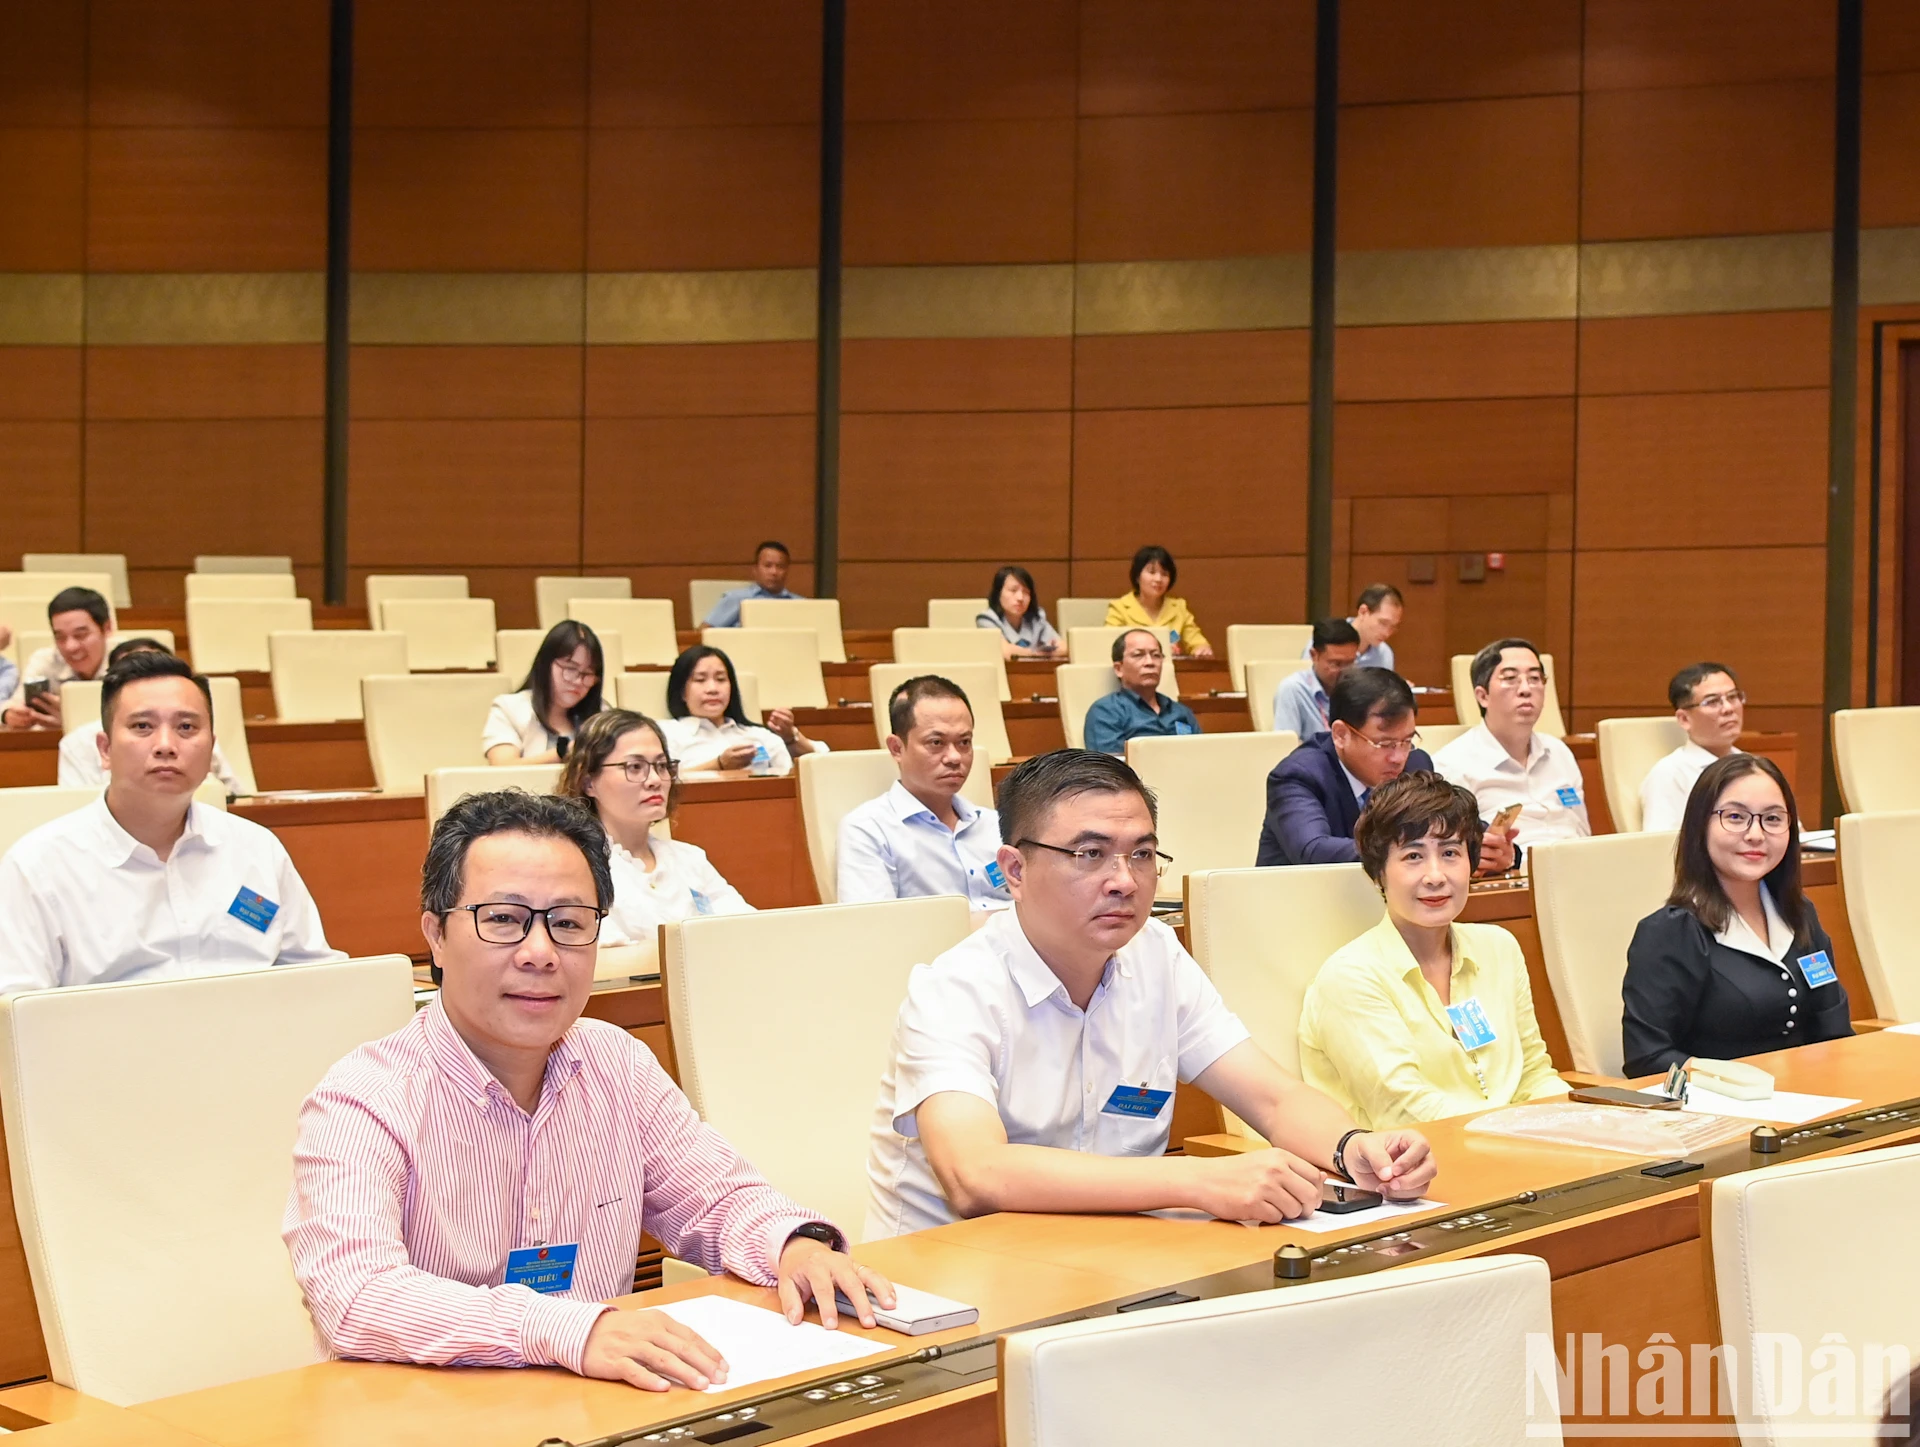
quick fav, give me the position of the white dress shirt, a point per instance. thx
(682, 883)
(990, 1019)
(1300, 704)
(85, 903)
(696, 743)
(1664, 792)
(1548, 787)
(511, 720)
(893, 847)
(51, 664)
(80, 765)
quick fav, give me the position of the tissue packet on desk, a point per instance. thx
(1661, 1135)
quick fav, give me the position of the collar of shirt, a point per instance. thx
(119, 848)
(1140, 703)
(708, 726)
(1739, 935)
(756, 591)
(1694, 754)
(1393, 945)
(1498, 757)
(1032, 974)
(1359, 789)
(455, 1059)
(906, 806)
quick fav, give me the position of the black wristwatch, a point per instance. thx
(828, 1236)
(1340, 1153)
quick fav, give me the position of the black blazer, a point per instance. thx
(1311, 810)
(1687, 994)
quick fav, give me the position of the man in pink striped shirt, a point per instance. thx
(469, 1189)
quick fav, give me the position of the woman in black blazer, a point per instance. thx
(1736, 962)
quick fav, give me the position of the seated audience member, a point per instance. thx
(1505, 759)
(471, 1188)
(1300, 699)
(619, 768)
(1422, 1016)
(562, 691)
(9, 670)
(83, 750)
(1736, 962)
(1376, 618)
(1137, 708)
(1148, 606)
(144, 883)
(770, 563)
(709, 728)
(1710, 708)
(922, 837)
(79, 618)
(1033, 1065)
(1012, 608)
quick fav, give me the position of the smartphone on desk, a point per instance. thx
(1340, 1198)
(1620, 1095)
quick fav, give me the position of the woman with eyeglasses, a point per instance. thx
(709, 728)
(620, 769)
(1736, 962)
(561, 692)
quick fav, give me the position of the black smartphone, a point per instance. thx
(1337, 1198)
(1619, 1095)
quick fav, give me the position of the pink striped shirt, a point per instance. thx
(415, 1173)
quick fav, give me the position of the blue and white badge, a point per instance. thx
(701, 904)
(1136, 1101)
(1817, 968)
(1569, 798)
(544, 1268)
(1471, 1024)
(996, 876)
(253, 909)
(1181, 726)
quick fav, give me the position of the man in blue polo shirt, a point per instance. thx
(770, 562)
(1138, 708)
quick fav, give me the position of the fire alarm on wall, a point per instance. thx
(1496, 562)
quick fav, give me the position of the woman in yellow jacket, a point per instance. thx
(1148, 605)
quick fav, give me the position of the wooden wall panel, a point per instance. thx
(39, 384)
(989, 60)
(1404, 50)
(1892, 36)
(973, 374)
(666, 63)
(1464, 360)
(1389, 449)
(484, 63)
(1645, 44)
(213, 63)
(894, 594)
(931, 192)
(1221, 590)
(43, 180)
(204, 382)
(1732, 352)
(1142, 57)
(1190, 369)
(468, 200)
(446, 382)
(43, 64)
(1889, 177)
(699, 197)
(40, 478)
(698, 380)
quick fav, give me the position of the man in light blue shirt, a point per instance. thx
(1300, 701)
(922, 837)
(1376, 618)
(770, 562)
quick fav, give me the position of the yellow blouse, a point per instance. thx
(1175, 617)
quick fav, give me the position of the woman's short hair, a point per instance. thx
(1153, 553)
(1406, 810)
(599, 736)
(561, 641)
(1034, 610)
(1696, 883)
(682, 670)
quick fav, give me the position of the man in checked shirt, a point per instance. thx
(471, 1188)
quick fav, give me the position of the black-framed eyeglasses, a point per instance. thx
(499, 922)
(573, 673)
(638, 769)
(1738, 821)
(1099, 861)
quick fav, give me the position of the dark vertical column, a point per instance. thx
(1843, 384)
(826, 453)
(1326, 151)
(339, 272)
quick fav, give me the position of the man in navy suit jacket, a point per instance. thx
(1316, 793)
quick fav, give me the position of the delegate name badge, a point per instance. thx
(1471, 1024)
(1817, 968)
(701, 904)
(1569, 798)
(996, 876)
(544, 1268)
(1136, 1101)
(253, 909)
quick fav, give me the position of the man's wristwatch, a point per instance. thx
(828, 1236)
(1340, 1153)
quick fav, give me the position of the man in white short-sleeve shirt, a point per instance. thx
(1711, 710)
(922, 837)
(144, 883)
(1506, 760)
(1033, 1066)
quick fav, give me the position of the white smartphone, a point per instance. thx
(916, 1312)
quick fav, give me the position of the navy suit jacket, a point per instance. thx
(1311, 810)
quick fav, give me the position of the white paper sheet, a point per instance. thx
(1913, 1029)
(759, 1344)
(1783, 1107)
(1321, 1221)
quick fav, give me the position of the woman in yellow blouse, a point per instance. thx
(1423, 1017)
(1148, 605)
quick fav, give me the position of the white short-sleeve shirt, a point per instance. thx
(85, 903)
(1549, 789)
(696, 742)
(512, 720)
(80, 765)
(1669, 783)
(682, 883)
(894, 847)
(989, 1018)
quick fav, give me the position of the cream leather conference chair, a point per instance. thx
(1213, 797)
(1877, 852)
(1588, 895)
(1095, 645)
(929, 649)
(551, 596)
(1864, 1293)
(443, 633)
(1080, 685)
(975, 680)
(229, 635)
(645, 626)
(24, 597)
(447, 787)
(114, 565)
(1466, 707)
(242, 563)
(1247, 642)
(1874, 755)
(704, 593)
(954, 612)
(1386, 1347)
(1629, 748)
(1434, 737)
(1263, 934)
(785, 660)
(749, 999)
(239, 585)
(158, 635)
(150, 1139)
(822, 615)
(1262, 677)
(384, 588)
(1071, 613)
(833, 785)
(645, 692)
(80, 705)
(420, 722)
(317, 673)
(514, 650)
(25, 809)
